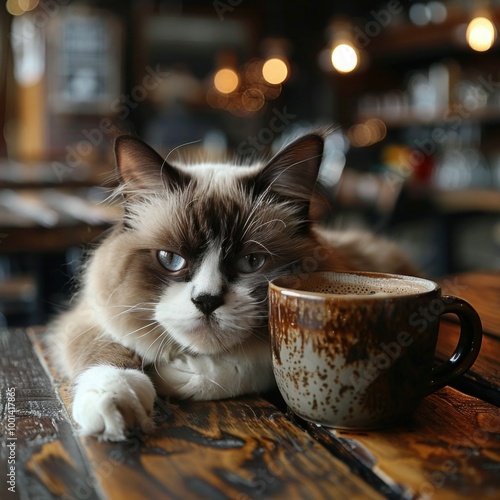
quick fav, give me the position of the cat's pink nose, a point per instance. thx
(206, 303)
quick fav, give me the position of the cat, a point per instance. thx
(174, 300)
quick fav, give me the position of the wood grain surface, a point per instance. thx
(482, 291)
(239, 448)
(450, 450)
(47, 458)
(248, 448)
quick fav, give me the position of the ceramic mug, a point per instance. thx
(357, 350)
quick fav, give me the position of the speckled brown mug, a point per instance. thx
(356, 350)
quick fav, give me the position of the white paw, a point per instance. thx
(198, 377)
(108, 400)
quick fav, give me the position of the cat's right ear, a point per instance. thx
(141, 169)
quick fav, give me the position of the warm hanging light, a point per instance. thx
(342, 52)
(481, 34)
(28, 5)
(226, 80)
(18, 7)
(345, 57)
(275, 70)
(14, 8)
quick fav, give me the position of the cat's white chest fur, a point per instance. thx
(107, 399)
(207, 377)
(181, 283)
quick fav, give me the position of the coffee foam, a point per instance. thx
(352, 284)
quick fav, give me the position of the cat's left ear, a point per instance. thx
(141, 168)
(293, 172)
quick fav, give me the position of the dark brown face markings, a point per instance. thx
(208, 220)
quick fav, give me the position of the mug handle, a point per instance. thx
(469, 343)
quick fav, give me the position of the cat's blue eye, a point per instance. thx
(171, 261)
(251, 262)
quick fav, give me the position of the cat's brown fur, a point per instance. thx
(201, 330)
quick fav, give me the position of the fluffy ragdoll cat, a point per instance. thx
(174, 301)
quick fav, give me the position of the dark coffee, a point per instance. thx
(356, 350)
(352, 284)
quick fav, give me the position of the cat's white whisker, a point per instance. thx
(163, 337)
(165, 161)
(201, 327)
(110, 296)
(121, 313)
(165, 343)
(80, 334)
(149, 325)
(264, 247)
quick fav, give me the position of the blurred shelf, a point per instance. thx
(17, 288)
(373, 191)
(42, 174)
(49, 220)
(55, 207)
(407, 41)
(467, 200)
(45, 240)
(444, 116)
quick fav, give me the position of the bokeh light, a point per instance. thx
(252, 99)
(226, 80)
(14, 8)
(253, 71)
(368, 133)
(215, 99)
(18, 7)
(481, 34)
(345, 58)
(28, 5)
(419, 14)
(275, 71)
(360, 135)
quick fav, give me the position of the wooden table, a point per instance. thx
(251, 447)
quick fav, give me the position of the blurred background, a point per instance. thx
(411, 88)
